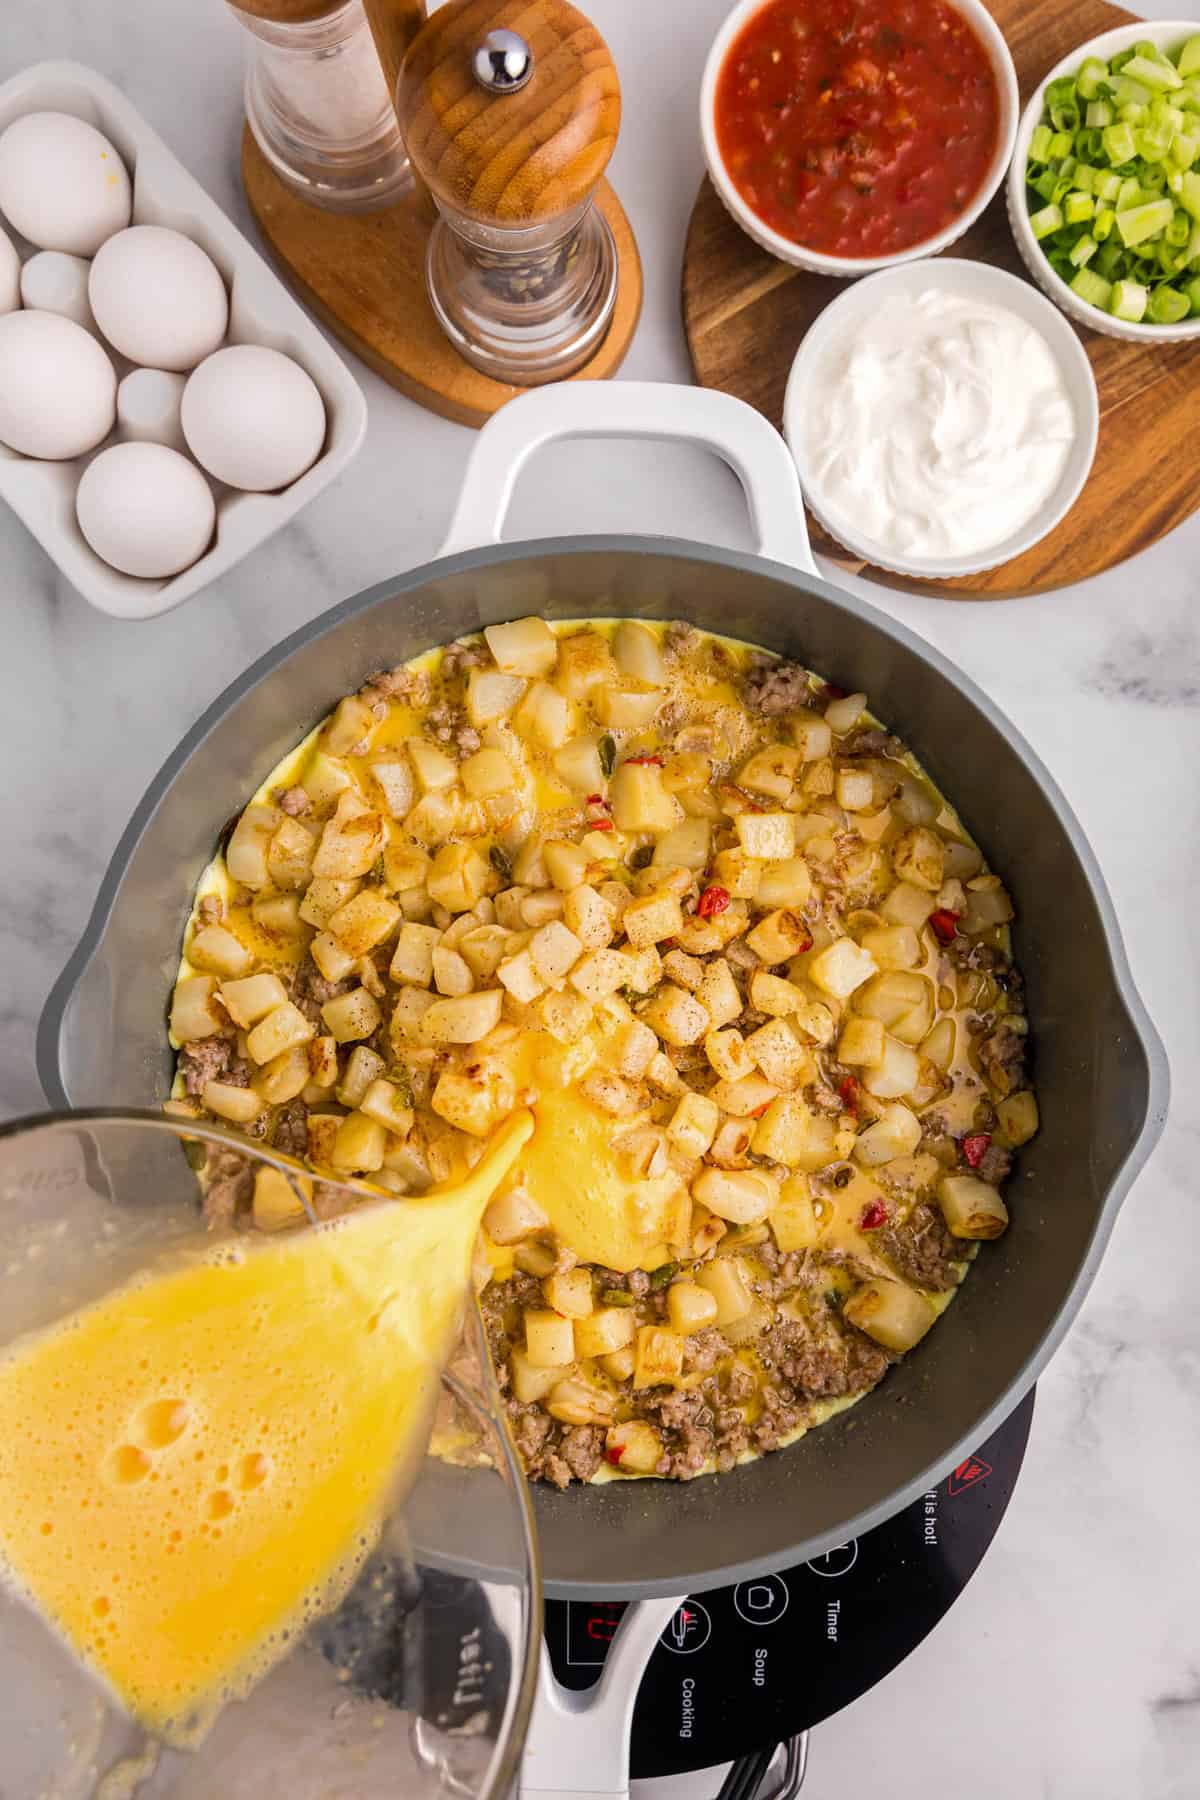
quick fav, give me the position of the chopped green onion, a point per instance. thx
(1083, 179)
(1103, 223)
(1185, 147)
(606, 750)
(1128, 301)
(1126, 91)
(1091, 288)
(665, 1275)
(1091, 73)
(1189, 193)
(1155, 74)
(1189, 57)
(1106, 186)
(1142, 222)
(1118, 142)
(500, 862)
(1083, 252)
(1047, 220)
(1039, 144)
(1077, 208)
(616, 1297)
(1192, 290)
(1060, 143)
(1167, 306)
(1046, 184)
(1179, 231)
(1099, 112)
(1154, 180)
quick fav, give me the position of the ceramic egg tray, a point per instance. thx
(261, 311)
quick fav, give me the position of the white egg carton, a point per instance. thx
(261, 311)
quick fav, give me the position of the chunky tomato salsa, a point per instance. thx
(857, 127)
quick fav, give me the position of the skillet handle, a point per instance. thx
(578, 1743)
(753, 449)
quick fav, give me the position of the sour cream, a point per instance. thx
(936, 426)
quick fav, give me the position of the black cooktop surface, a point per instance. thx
(739, 1668)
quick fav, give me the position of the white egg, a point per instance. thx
(62, 184)
(54, 282)
(145, 509)
(253, 418)
(158, 297)
(148, 407)
(10, 275)
(58, 389)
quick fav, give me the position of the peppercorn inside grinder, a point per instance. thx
(510, 114)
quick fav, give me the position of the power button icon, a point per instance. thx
(761, 1602)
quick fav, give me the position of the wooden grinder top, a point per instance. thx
(510, 159)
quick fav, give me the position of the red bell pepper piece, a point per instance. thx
(712, 901)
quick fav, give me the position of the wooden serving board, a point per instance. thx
(745, 312)
(363, 275)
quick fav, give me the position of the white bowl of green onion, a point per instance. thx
(1104, 183)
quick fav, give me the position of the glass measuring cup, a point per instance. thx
(422, 1679)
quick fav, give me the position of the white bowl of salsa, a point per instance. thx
(846, 136)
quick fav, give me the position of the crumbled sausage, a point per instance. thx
(922, 1250)
(776, 687)
(295, 802)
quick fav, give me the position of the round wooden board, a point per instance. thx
(363, 275)
(744, 313)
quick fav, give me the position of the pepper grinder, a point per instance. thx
(509, 112)
(318, 100)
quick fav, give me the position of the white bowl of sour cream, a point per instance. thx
(942, 416)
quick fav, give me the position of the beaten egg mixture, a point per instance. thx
(717, 928)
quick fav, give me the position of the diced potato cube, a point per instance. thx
(351, 843)
(246, 851)
(740, 1196)
(897, 1072)
(584, 662)
(566, 1016)
(894, 1314)
(650, 920)
(381, 1101)
(731, 1145)
(393, 776)
(677, 1016)
(780, 1056)
(322, 1060)
(325, 779)
(693, 1124)
(578, 1402)
(786, 883)
(322, 899)
(365, 921)
(814, 1020)
(664, 1077)
(239, 1105)
(290, 855)
(359, 1145)
(412, 960)
(718, 993)
(896, 1132)
(451, 974)
(684, 846)
(586, 914)
(792, 1219)
(893, 946)
(518, 975)
(217, 951)
(543, 717)
(659, 1357)
(738, 873)
(513, 1215)
(779, 936)
(781, 1134)
(634, 1446)
(690, 1307)
(528, 868)
(626, 705)
(487, 772)
(600, 973)
(643, 969)
(841, 968)
(612, 1094)
(322, 1130)
(554, 950)
(640, 802)
(523, 646)
(811, 735)
(817, 781)
(570, 1291)
(194, 1012)
(773, 996)
(908, 905)
(458, 877)
(637, 652)
(566, 864)
(631, 1050)
(435, 771)
(771, 771)
(818, 1145)
(530, 1381)
(362, 1067)
(331, 957)
(861, 1043)
(277, 1203)
(727, 1055)
(971, 1208)
(578, 764)
(282, 1028)
(475, 1100)
(918, 856)
(745, 1097)
(353, 1015)
(607, 1329)
(434, 818)
(349, 727)
(463, 1020)
(284, 1076)
(549, 1339)
(725, 1279)
(277, 916)
(1018, 1116)
(492, 696)
(854, 789)
(482, 949)
(769, 836)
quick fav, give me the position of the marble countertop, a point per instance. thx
(1070, 1667)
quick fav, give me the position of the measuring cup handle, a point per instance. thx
(729, 428)
(578, 1743)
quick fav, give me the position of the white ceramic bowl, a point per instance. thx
(992, 39)
(978, 281)
(1166, 36)
(261, 311)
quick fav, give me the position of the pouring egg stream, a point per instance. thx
(198, 1464)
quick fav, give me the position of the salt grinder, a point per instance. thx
(509, 113)
(318, 101)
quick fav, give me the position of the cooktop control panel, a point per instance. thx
(738, 1668)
